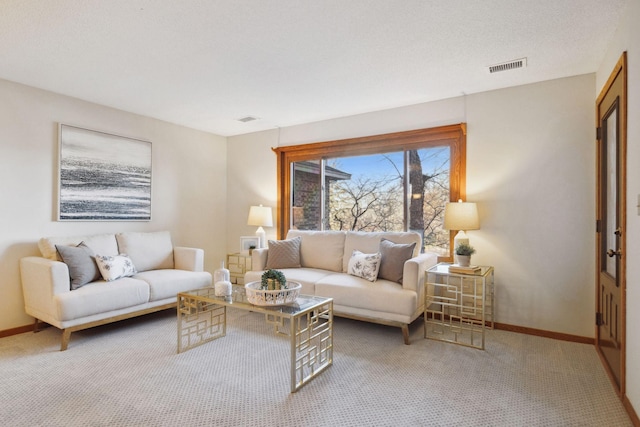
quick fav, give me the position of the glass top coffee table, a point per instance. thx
(308, 322)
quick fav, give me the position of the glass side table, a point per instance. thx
(458, 307)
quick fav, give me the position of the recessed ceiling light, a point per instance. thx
(509, 65)
(247, 119)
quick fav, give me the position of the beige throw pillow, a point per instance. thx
(284, 253)
(394, 256)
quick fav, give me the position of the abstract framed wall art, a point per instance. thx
(103, 177)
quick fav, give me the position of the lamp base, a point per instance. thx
(461, 237)
(262, 236)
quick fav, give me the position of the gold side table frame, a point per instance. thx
(458, 307)
(308, 322)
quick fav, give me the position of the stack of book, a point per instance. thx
(458, 269)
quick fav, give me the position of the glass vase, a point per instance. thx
(221, 274)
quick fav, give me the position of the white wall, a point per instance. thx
(188, 182)
(530, 166)
(627, 38)
(252, 181)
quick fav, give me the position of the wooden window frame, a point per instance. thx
(452, 135)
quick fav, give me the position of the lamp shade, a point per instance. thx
(260, 216)
(461, 216)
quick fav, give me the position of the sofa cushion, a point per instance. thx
(381, 295)
(81, 263)
(394, 255)
(113, 267)
(364, 265)
(361, 241)
(104, 244)
(101, 297)
(148, 251)
(320, 249)
(284, 253)
(167, 283)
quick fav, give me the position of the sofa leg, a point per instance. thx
(405, 334)
(66, 335)
(36, 327)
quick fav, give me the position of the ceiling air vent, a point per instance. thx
(247, 119)
(510, 65)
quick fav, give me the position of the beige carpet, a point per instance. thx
(129, 374)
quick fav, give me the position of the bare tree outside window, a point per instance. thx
(369, 194)
(435, 194)
(364, 204)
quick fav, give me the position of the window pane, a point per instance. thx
(365, 193)
(306, 206)
(429, 171)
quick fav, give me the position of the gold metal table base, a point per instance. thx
(202, 317)
(458, 307)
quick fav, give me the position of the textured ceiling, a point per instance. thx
(206, 63)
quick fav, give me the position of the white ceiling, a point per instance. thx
(206, 63)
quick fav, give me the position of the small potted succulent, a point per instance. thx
(464, 252)
(273, 280)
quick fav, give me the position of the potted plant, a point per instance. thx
(273, 280)
(464, 252)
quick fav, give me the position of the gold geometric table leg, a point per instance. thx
(311, 340)
(311, 345)
(199, 322)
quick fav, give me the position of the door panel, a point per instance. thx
(611, 234)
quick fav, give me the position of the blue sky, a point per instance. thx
(378, 165)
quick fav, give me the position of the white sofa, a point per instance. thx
(323, 271)
(161, 271)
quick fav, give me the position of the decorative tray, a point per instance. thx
(257, 296)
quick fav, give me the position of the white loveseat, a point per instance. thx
(73, 296)
(323, 271)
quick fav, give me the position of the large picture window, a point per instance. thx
(392, 182)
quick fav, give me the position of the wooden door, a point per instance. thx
(611, 225)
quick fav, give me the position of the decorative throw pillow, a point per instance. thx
(284, 253)
(81, 263)
(364, 265)
(394, 256)
(115, 267)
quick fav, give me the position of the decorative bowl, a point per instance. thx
(257, 296)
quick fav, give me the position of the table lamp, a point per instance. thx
(260, 216)
(461, 216)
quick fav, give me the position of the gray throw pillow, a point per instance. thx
(394, 256)
(284, 253)
(81, 263)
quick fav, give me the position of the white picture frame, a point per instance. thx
(246, 242)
